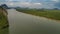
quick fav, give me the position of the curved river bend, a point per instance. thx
(21, 23)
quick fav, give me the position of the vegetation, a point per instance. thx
(49, 13)
(3, 23)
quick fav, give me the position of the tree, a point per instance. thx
(55, 8)
(4, 6)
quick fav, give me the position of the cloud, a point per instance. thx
(33, 3)
(24, 4)
(10, 0)
(28, 4)
(38, 3)
(55, 0)
(57, 4)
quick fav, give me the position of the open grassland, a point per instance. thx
(52, 14)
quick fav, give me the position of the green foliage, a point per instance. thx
(3, 23)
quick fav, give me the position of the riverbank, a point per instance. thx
(3, 23)
(51, 14)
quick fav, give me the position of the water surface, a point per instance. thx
(21, 23)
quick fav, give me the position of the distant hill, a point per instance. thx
(4, 6)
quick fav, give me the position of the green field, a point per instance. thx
(48, 13)
(3, 24)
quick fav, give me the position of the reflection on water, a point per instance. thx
(21, 23)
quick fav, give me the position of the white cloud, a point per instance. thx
(11, 4)
(38, 3)
(24, 4)
(56, 0)
(10, 0)
(28, 4)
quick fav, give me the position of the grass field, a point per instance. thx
(52, 14)
(3, 24)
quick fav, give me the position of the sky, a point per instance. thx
(32, 3)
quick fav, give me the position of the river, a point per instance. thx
(21, 23)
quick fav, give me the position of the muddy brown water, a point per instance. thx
(21, 23)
